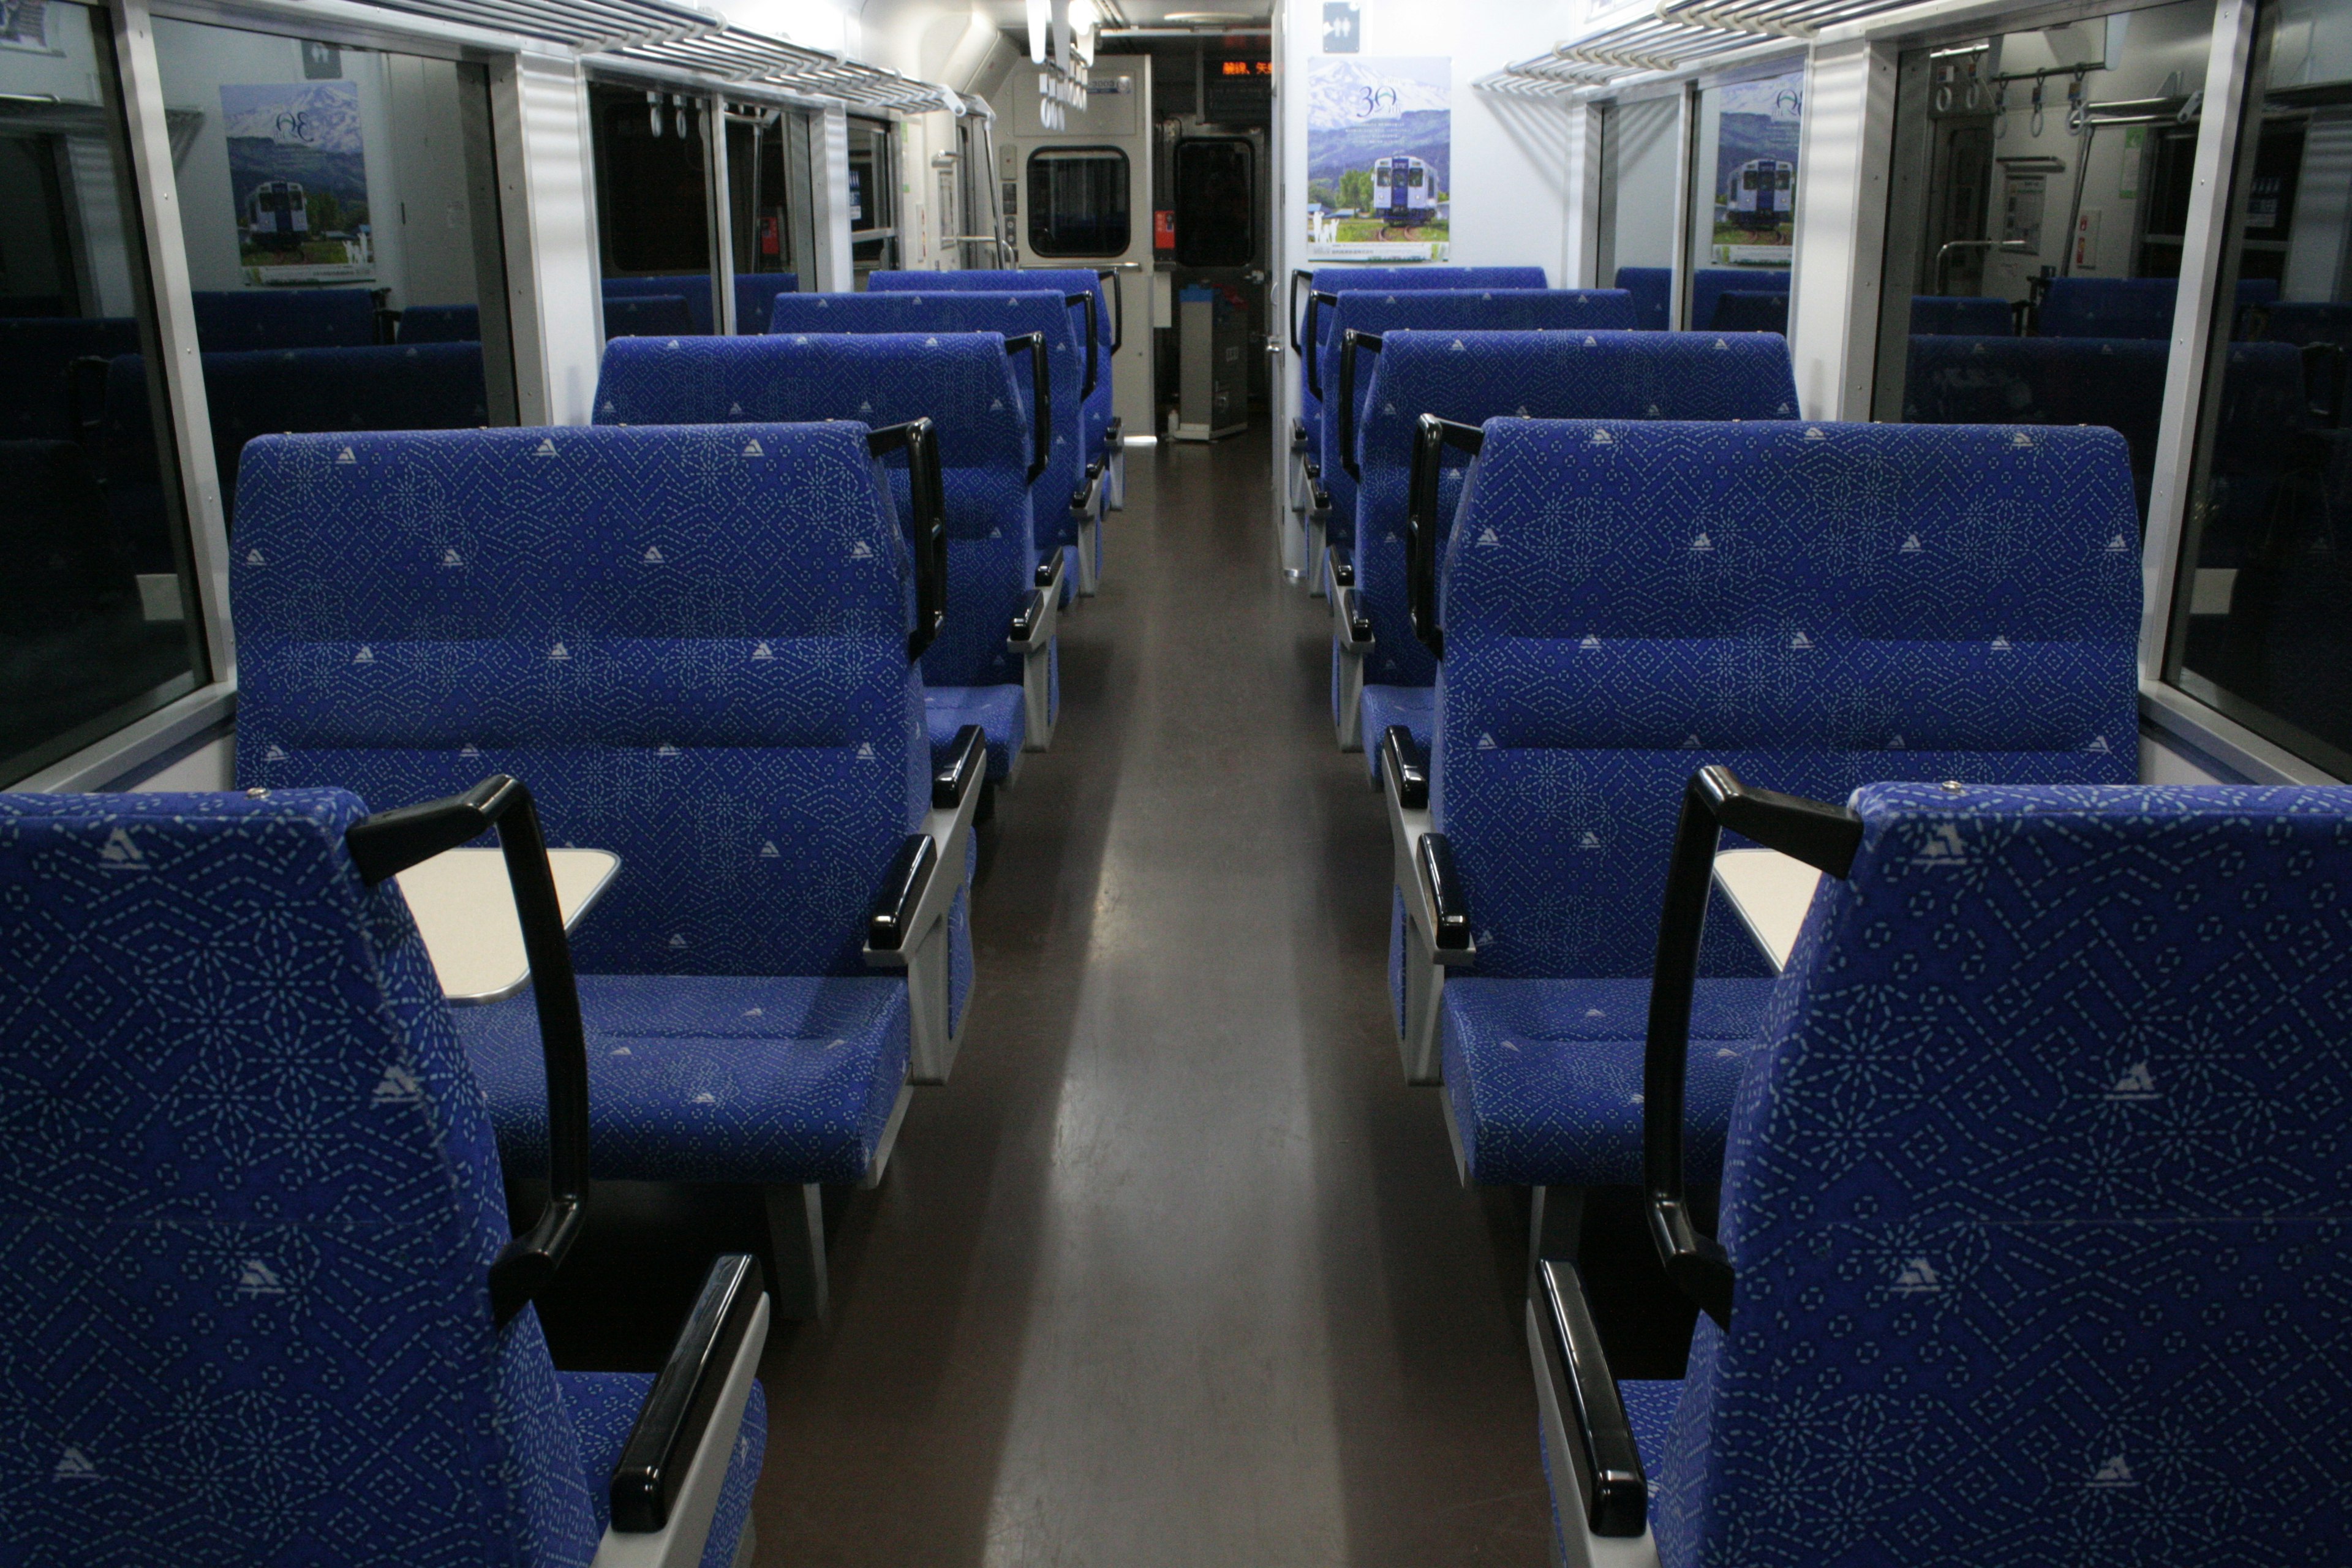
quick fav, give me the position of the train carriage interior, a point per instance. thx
(1077, 783)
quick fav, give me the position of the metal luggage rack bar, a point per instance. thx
(1676, 34)
(733, 55)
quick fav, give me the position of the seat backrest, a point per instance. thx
(755, 293)
(1709, 284)
(692, 288)
(2108, 308)
(234, 320)
(1548, 375)
(65, 565)
(441, 324)
(615, 617)
(35, 354)
(2117, 383)
(1396, 280)
(1037, 309)
(250, 1224)
(2300, 321)
(1749, 310)
(1815, 605)
(2128, 1006)
(963, 382)
(1381, 311)
(1652, 288)
(648, 316)
(1961, 315)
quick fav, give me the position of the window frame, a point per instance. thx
(1055, 150)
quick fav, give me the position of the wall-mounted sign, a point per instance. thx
(1343, 26)
(1379, 135)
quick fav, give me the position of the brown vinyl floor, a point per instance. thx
(1176, 1271)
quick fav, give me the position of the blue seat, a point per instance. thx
(648, 316)
(754, 293)
(231, 320)
(1307, 430)
(441, 324)
(255, 1225)
(1552, 375)
(977, 671)
(404, 386)
(37, 400)
(1709, 284)
(2126, 307)
(692, 289)
(1720, 593)
(1071, 524)
(2117, 383)
(611, 615)
(1652, 288)
(1379, 311)
(2101, 1325)
(1750, 310)
(1104, 441)
(1961, 315)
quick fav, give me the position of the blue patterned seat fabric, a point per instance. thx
(1590, 375)
(963, 382)
(2043, 1141)
(692, 289)
(441, 324)
(1709, 284)
(1036, 310)
(604, 1405)
(1815, 605)
(1381, 311)
(238, 319)
(1961, 315)
(2115, 381)
(2126, 307)
(1652, 288)
(1750, 310)
(648, 316)
(608, 616)
(250, 1207)
(1101, 408)
(1390, 281)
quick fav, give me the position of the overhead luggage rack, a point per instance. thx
(587, 25)
(1676, 36)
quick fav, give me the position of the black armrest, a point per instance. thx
(1823, 837)
(1315, 349)
(1049, 573)
(967, 765)
(1318, 498)
(388, 843)
(679, 1407)
(1343, 572)
(1041, 398)
(1297, 275)
(901, 894)
(1086, 298)
(926, 496)
(1117, 306)
(2323, 370)
(1115, 432)
(1450, 910)
(1299, 434)
(1600, 1444)
(1410, 767)
(1430, 438)
(1031, 611)
(1315, 470)
(1348, 343)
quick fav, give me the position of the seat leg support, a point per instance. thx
(796, 1243)
(931, 1044)
(1088, 564)
(1425, 988)
(1037, 698)
(1312, 566)
(1555, 1227)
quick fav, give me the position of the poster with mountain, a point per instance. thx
(1380, 140)
(298, 174)
(1756, 172)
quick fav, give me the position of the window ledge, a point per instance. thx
(2224, 740)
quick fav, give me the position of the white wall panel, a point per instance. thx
(1840, 227)
(547, 202)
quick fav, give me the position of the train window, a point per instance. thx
(2262, 626)
(652, 208)
(340, 210)
(1640, 177)
(2041, 191)
(1743, 219)
(99, 619)
(873, 198)
(1077, 201)
(771, 211)
(1216, 201)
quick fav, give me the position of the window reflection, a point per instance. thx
(2040, 192)
(97, 621)
(652, 210)
(2262, 624)
(768, 208)
(339, 211)
(1640, 179)
(1743, 218)
(1078, 201)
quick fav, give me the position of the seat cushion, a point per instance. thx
(1545, 1076)
(995, 709)
(1414, 706)
(604, 1407)
(707, 1078)
(1650, 1411)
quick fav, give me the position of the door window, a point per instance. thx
(1078, 202)
(1216, 201)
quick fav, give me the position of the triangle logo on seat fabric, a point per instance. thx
(451, 558)
(2138, 1084)
(469, 749)
(762, 650)
(256, 1278)
(559, 653)
(2115, 1473)
(2117, 545)
(1591, 840)
(1917, 1278)
(346, 456)
(652, 555)
(254, 558)
(73, 1465)
(677, 940)
(275, 754)
(365, 655)
(1589, 641)
(1702, 544)
(1911, 546)
(1814, 432)
(751, 448)
(865, 750)
(398, 1086)
(1485, 742)
(119, 854)
(768, 851)
(1487, 537)
(546, 448)
(1800, 641)
(2098, 743)
(1691, 742)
